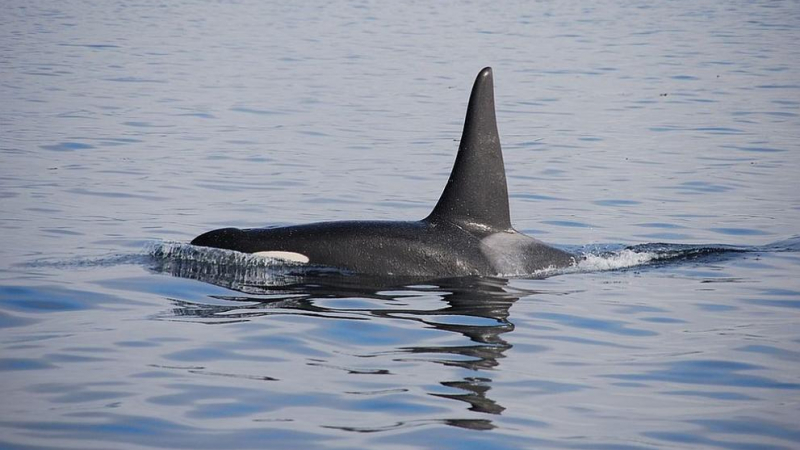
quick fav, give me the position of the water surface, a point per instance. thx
(133, 127)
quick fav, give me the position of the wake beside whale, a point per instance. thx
(469, 231)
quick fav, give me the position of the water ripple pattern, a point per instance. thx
(658, 140)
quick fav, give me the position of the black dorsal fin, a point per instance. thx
(476, 194)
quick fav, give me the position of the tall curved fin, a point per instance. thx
(476, 194)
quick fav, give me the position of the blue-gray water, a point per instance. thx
(126, 129)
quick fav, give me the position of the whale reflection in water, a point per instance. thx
(476, 308)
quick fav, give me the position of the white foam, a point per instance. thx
(245, 272)
(619, 260)
(187, 252)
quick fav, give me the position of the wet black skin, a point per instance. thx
(469, 231)
(423, 248)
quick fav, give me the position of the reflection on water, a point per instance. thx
(476, 308)
(367, 318)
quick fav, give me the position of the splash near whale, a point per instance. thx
(469, 231)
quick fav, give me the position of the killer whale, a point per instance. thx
(469, 231)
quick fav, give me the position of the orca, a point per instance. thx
(468, 232)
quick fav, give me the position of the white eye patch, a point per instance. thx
(286, 256)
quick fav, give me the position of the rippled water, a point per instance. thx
(127, 129)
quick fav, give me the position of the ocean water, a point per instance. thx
(659, 139)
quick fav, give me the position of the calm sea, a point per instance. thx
(128, 128)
